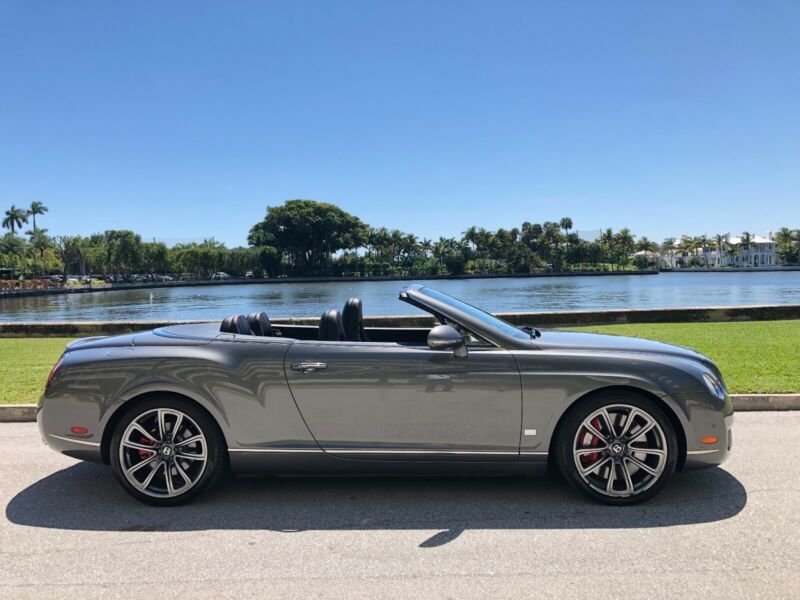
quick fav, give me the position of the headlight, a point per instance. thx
(715, 386)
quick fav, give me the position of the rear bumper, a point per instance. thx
(57, 414)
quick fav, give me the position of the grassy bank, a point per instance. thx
(755, 357)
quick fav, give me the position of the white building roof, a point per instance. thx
(756, 239)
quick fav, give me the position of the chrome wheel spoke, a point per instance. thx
(643, 431)
(193, 456)
(627, 477)
(609, 421)
(612, 474)
(136, 446)
(194, 438)
(146, 483)
(162, 426)
(630, 420)
(177, 427)
(591, 429)
(144, 432)
(656, 451)
(183, 474)
(595, 465)
(168, 479)
(642, 465)
(141, 464)
(583, 451)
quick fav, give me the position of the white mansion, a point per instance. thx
(759, 252)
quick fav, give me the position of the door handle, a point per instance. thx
(309, 367)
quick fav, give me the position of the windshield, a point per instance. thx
(477, 313)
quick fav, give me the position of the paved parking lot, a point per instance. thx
(69, 530)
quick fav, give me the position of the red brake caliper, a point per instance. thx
(145, 442)
(588, 459)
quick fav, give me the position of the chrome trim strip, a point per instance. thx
(275, 450)
(694, 452)
(429, 452)
(401, 452)
(531, 453)
(74, 441)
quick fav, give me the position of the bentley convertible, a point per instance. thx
(173, 409)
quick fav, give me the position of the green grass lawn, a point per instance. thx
(755, 356)
(24, 365)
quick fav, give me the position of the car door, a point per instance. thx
(392, 401)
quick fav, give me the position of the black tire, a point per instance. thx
(216, 455)
(567, 439)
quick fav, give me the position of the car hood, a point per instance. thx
(573, 340)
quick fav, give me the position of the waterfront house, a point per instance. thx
(736, 251)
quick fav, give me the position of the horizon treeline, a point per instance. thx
(305, 237)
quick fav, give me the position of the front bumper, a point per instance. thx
(700, 455)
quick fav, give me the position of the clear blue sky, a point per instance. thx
(185, 120)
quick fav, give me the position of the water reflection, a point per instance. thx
(380, 298)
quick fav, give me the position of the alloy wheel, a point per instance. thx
(620, 450)
(163, 453)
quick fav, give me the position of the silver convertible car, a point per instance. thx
(171, 410)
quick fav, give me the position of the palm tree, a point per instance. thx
(40, 242)
(566, 225)
(668, 247)
(744, 242)
(426, 246)
(607, 243)
(625, 239)
(15, 218)
(36, 208)
(720, 244)
(702, 244)
(471, 236)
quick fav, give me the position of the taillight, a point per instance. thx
(53, 372)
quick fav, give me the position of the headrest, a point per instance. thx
(330, 326)
(353, 320)
(259, 323)
(236, 324)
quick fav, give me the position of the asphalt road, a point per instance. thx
(68, 530)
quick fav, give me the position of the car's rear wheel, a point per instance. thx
(166, 451)
(618, 447)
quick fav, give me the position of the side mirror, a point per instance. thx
(443, 337)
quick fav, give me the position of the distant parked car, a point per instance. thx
(221, 275)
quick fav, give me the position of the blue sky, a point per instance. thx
(185, 120)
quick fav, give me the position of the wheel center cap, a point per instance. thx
(617, 448)
(167, 451)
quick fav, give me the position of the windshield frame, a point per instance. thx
(446, 307)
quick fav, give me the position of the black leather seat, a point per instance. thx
(353, 319)
(259, 324)
(236, 324)
(330, 326)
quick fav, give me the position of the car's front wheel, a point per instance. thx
(166, 451)
(618, 447)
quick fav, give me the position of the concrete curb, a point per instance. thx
(26, 413)
(17, 413)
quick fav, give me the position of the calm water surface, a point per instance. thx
(380, 297)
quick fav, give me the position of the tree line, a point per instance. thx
(305, 237)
